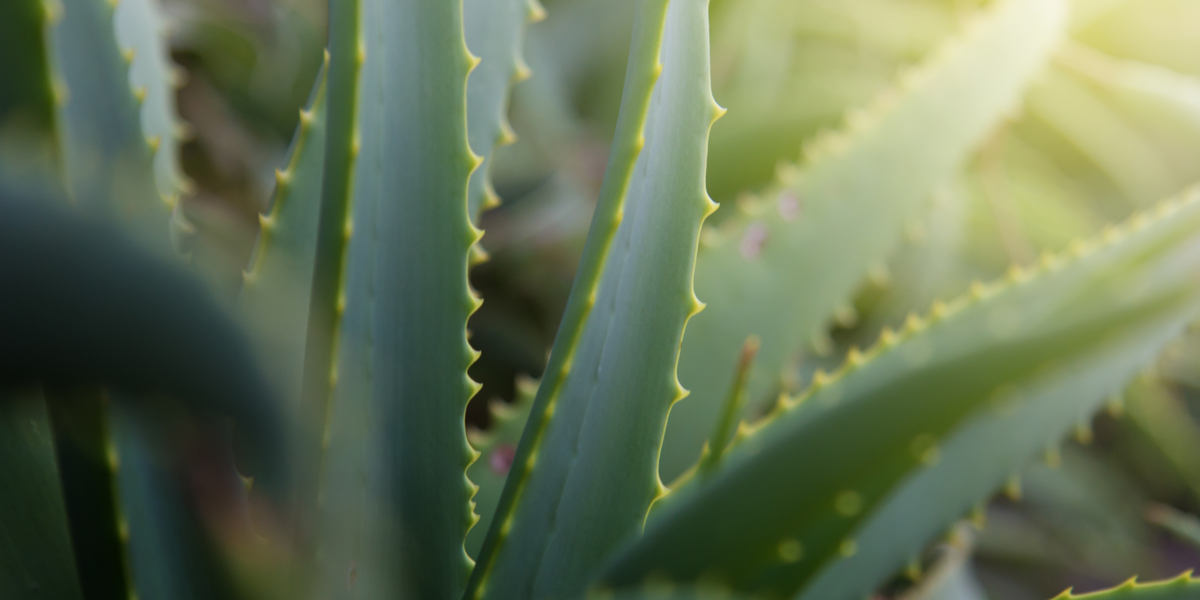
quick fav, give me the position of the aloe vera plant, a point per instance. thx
(337, 384)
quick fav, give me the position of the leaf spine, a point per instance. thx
(1012, 488)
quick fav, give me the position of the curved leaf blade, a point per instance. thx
(497, 447)
(832, 496)
(140, 34)
(1183, 587)
(29, 150)
(109, 162)
(494, 31)
(778, 269)
(394, 497)
(611, 375)
(275, 294)
(36, 558)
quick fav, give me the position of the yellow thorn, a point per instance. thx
(913, 569)
(53, 11)
(845, 315)
(791, 550)
(478, 255)
(1012, 488)
(854, 358)
(114, 460)
(848, 503)
(139, 94)
(979, 518)
(536, 12)
(507, 135)
(1083, 432)
(490, 199)
(1116, 406)
(938, 310)
(128, 54)
(306, 118)
(820, 378)
(977, 290)
(153, 142)
(1046, 260)
(887, 337)
(521, 72)
(821, 344)
(879, 275)
(62, 93)
(1052, 457)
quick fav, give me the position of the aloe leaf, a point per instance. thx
(830, 497)
(1168, 424)
(929, 263)
(611, 372)
(1103, 134)
(140, 33)
(497, 446)
(36, 558)
(275, 291)
(118, 316)
(35, 545)
(494, 31)
(170, 554)
(394, 498)
(778, 269)
(1162, 103)
(1183, 587)
(109, 160)
(29, 153)
(667, 592)
(87, 468)
(766, 51)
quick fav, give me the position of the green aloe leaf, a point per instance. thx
(1162, 104)
(780, 267)
(109, 160)
(573, 493)
(1183, 587)
(35, 545)
(119, 136)
(667, 592)
(494, 30)
(87, 467)
(394, 500)
(36, 558)
(121, 318)
(840, 488)
(1103, 134)
(497, 446)
(275, 292)
(140, 30)
(29, 151)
